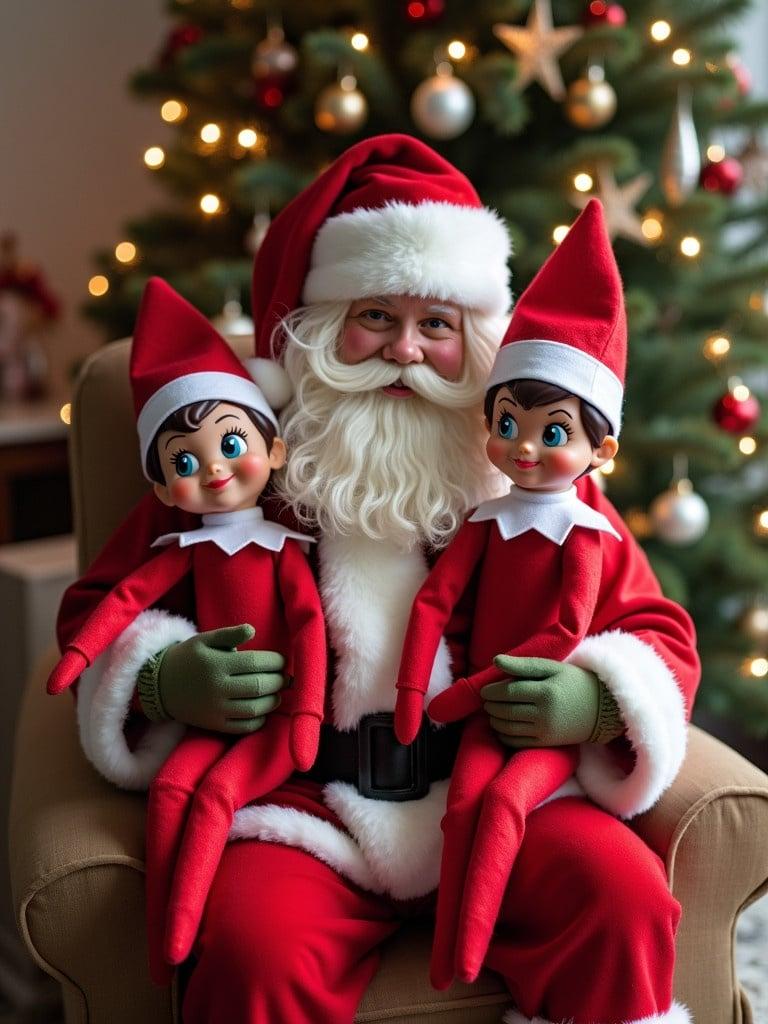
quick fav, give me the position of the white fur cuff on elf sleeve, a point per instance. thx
(677, 1014)
(652, 707)
(104, 698)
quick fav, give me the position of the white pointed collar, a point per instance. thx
(553, 515)
(232, 531)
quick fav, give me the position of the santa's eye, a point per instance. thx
(555, 435)
(185, 463)
(233, 445)
(507, 426)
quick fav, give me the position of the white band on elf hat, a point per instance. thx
(197, 387)
(455, 253)
(566, 367)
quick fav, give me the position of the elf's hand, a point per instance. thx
(547, 704)
(204, 681)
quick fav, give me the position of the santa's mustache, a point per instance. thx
(375, 374)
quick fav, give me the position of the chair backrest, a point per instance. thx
(104, 452)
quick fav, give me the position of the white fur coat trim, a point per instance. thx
(104, 698)
(432, 249)
(677, 1014)
(367, 587)
(392, 847)
(652, 706)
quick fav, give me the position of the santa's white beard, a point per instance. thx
(360, 461)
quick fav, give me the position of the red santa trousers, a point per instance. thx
(586, 931)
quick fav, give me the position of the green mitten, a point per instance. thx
(550, 704)
(204, 681)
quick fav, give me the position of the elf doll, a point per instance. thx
(209, 444)
(553, 410)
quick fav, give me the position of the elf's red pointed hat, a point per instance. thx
(569, 326)
(177, 358)
(389, 216)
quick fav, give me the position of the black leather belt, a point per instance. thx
(371, 758)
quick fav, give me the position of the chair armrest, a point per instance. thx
(77, 866)
(710, 829)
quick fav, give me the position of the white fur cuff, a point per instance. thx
(652, 707)
(677, 1014)
(104, 699)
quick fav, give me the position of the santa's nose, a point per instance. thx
(405, 348)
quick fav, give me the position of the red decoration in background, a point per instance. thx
(600, 13)
(741, 74)
(723, 176)
(25, 280)
(424, 12)
(735, 415)
(178, 39)
(269, 93)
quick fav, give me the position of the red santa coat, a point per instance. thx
(642, 647)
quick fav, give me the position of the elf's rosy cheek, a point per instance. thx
(252, 466)
(496, 448)
(564, 461)
(183, 491)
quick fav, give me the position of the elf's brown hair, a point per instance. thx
(188, 419)
(533, 393)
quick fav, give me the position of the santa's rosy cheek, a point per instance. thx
(251, 466)
(183, 491)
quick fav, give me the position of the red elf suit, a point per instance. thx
(243, 568)
(295, 917)
(569, 330)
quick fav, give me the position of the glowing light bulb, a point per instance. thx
(747, 445)
(98, 285)
(583, 182)
(717, 346)
(247, 138)
(65, 413)
(660, 30)
(761, 523)
(681, 57)
(741, 392)
(559, 233)
(758, 667)
(210, 132)
(652, 228)
(690, 246)
(609, 467)
(360, 41)
(173, 110)
(457, 50)
(210, 203)
(125, 252)
(715, 153)
(154, 157)
(348, 83)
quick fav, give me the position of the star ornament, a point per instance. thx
(619, 201)
(537, 47)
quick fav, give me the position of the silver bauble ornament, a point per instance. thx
(591, 101)
(341, 108)
(443, 106)
(273, 57)
(680, 159)
(233, 322)
(679, 515)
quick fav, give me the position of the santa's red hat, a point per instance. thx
(389, 216)
(569, 326)
(178, 358)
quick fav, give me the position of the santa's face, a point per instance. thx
(404, 330)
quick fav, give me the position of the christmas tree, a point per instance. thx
(542, 105)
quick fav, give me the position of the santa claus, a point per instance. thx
(383, 288)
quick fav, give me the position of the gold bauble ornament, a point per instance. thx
(591, 101)
(341, 108)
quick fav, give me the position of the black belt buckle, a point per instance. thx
(388, 770)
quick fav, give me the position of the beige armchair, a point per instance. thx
(77, 843)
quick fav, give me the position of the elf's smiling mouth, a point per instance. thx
(525, 464)
(216, 485)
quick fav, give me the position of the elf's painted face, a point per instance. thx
(223, 466)
(405, 329)
(544, 448)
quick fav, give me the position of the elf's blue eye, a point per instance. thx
(232, 446)
(186, 464)
(507, 426)
(554, 436)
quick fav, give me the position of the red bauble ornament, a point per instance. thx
(269, 92)
(600, 13)
(736, 415)
(724, 176)
(178, 39)
(424, 12)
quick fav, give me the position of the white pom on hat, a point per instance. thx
(272, 379)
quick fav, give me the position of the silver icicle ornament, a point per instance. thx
(680, 158)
